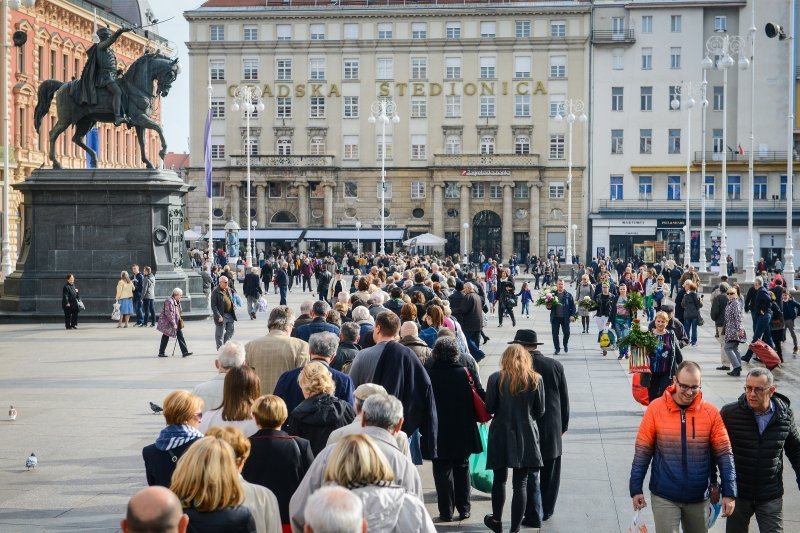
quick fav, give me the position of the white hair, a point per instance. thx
(376, 298)
(177, 291)
(361, 313)
(334, 509)
(231, 354)
(409, 327)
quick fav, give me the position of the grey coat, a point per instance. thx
(514, 433)
(149, 287)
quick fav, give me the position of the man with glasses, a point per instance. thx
(761, 428)
(682, 434)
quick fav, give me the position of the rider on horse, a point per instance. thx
(101, 71)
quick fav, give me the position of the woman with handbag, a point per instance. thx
(457, 438)
(70, 303)
(734, 331)
(170, 324)
(506, 299)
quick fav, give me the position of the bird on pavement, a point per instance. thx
(12, 413)
(32, 461)
(155, 408)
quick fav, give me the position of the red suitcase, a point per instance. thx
(767, 355)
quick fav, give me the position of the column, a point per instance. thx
(465, 218)
(508, 221)
(327, 208)
(438, 208)
(302, 210)
(534, 190)
(261, 206)
(236, 210)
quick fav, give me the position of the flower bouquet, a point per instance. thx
(634, 303)
(587, 303)
(547, 298)
(641, 342)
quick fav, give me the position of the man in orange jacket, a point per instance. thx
(682, 434)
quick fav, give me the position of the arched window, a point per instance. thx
(487, 144)
(284, 146)
(317, 145)
(522, 145)
(283, 217)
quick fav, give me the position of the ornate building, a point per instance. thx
(476, 157)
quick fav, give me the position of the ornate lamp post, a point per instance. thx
(384, 110)
(567, 110)
(704, 190)
(247, 98)
(465, 259)
(254, 223)
(358, 237)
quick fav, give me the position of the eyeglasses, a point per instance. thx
(687, 388)
(731, 294)
(198, 415)
(758, 390)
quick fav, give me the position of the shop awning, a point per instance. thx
(350, 234)
(271, 234)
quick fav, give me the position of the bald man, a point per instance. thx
(154, 510)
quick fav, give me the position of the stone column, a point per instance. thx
(236, 208)
(261, 206)
(465, 217)
(302, 210)
(438, 208)
(508, 221)
(534, 217)
(327, 208)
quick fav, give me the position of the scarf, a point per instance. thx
(175, 436)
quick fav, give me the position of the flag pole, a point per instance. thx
(209, 178)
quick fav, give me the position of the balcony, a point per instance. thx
(695, 204)
(278, 161)
(613, 36)
(761, 156)
(486, 160)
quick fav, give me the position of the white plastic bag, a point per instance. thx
(637, 524)
(115, 315)
(262, 305)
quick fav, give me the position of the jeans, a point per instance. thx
(769, 515)
(690, 325)
(555, 325)
(165, 340)
(761, 330)
(415, 447)
(790, 329)
(224, 330)
(522, 491)
(732, 351)
(670, 515)
(651, 313)
(252, 304)
(307, 279)
(137, 308)
(473, 344)
(149, 311)
(525, 308)
(283, 295)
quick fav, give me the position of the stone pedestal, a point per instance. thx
(95, 223)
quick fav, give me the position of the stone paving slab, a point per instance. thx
(82, 401)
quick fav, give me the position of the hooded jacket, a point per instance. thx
(316, 417)
(390, 509)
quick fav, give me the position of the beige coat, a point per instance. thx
(273, 354)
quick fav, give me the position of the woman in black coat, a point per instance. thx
(69, 302)
(457, 435)
(505, 298)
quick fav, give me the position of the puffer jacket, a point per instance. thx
(316, 417)
(759, 457)
(391, 509)
(682, 445)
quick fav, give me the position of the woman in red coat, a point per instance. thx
(170, 323)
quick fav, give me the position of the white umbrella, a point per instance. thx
(426, 239)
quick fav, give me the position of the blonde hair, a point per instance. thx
(315, 378)
(206, 477)
(516, 366)
(356, 461)
(663, 315)
(270, 411)
(233, 436)
(123, 276)
(181, 406)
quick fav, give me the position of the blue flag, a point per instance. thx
(207, 153)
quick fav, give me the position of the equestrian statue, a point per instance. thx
(104, 93)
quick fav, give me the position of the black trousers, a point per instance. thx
(181, 343)
(555, 325)
(70, 317)
(451, 477)
(524, 486)
(307, 280)
(550, 482)
(502, 309)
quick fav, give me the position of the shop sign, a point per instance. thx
(671, 222)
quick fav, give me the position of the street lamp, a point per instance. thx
(723, 46)
(383, 110)
(7, 266)
(248, 98)
(358, 237)
(574, 247)
(703, 190)
(570, 108)
(254, 223)
(465, 260)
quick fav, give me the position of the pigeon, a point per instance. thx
(31, 462)
(155, 408)
(12, 413)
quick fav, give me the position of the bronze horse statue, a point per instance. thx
(137, 89)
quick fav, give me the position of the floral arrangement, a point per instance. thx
(547, 298)
(634, 303)
(587, 303)
(641, 342)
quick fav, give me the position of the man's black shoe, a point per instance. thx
(530, 522)
(723, 367)
(463, 516)
(443, 518)
(163, 355)
(187, 354)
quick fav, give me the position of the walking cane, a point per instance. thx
(174, 346)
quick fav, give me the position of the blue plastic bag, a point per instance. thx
(480, 477)
(712, 513)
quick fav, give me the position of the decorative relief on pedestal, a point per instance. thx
(176, 235)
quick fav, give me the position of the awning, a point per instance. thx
(271, 234)
(426, 239)
(349, 234)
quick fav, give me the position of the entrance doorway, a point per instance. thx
(487, 235)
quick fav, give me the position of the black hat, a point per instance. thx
(526, 337)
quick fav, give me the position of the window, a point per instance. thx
(64, 64)
(674, 146)
(385, 30)
(645, 187)
(556, 147)
(350, 107)
(522, 145)
(386, 189)
(284, 69)
(351, 147)
(250, 33)
(350, 189)
(253, 144)
(647, 58)
(417, 190)
(317, 146)
(283, 32)
(646, 97)
(419, 68)
(419, 107)
(487, 145)
(452, 106)
(558, 66)
(452, 189)
(716, 141)
(488, 67)
(617, 94)
(317, 109)
(217, 32)
(647, 24)
(487, 108)
(317, 69)
(558, 28)
(618, 27)
(351, 69)
(21, 60)
(495, 191)
(217, 189)
(522, 67)
(385, 69)
(719, 98)
(351, 31)
(721, 24)
(675, 57)
(251, 114)
(453, 30)
(709, 185)
(317, 32)
(275, 189)
(760, 188)
(284, 146)
(522, 28)
(646, 141)
(283, 107)
(616, 188)
(617, 59)
(673, 187)
(557, 189)
(488, 30)
(53, 65)
(217, 67)
(478, 190)
(734, 187)
(556, 104)
(675, 23)
(452, 68)
(521, 191)
(387, 140)
(250, 69)
(616, 141)
(419, 30)
(217, 108)
(783, 188)
(217, 147)
(452, 145)
(522, 105)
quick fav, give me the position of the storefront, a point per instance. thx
(624, 238)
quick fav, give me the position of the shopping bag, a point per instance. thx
(637, 524)
(480, 477)
(712, 513)
(607, 339)
(115, 315)
(639, 390)
(237, 301)
(262, 305)
(81, 306)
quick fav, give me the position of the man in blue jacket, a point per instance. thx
(561, 316)
(762, 316)
(319, 314)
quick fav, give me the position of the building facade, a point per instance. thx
(476, 156)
